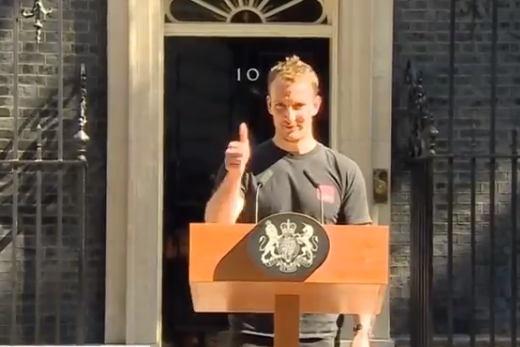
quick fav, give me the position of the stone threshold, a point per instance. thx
(459, 340)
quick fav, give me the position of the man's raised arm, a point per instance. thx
(227, 201)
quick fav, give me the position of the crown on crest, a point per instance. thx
(288, 227)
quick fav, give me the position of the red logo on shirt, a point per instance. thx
(327, 194)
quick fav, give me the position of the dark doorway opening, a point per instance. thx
(211, 86)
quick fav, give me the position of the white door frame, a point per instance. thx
(248, 30)
(361, 58)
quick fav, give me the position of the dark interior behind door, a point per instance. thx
(211, 85)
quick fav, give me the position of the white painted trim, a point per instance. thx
(145, 126)
(247, 30)
(118, 60)
(334, 80)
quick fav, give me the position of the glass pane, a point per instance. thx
(247, 11)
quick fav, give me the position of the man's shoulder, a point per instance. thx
(264, 151)
(263, 155)
(263, 147)
(340, 160)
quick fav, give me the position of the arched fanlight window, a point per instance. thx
(247, 11)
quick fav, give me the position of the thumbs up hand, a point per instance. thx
(238, 152)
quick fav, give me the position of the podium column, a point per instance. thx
(287, 320)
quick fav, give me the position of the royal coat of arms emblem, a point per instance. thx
(288, 246)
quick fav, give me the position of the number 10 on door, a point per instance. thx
(251, 74)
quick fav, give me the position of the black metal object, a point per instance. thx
(46, 178)
(421, 150)
(475, 177)
(381, 186)
(39, 12)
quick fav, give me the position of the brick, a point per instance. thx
(84, 26)
(423, 27)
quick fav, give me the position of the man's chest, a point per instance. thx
(295, 187)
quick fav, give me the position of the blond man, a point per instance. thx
(287, 160)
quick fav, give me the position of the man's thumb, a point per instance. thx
(244, 133)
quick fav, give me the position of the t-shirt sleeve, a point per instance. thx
(221, 174)
(355, 203)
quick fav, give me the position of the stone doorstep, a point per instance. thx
(212, 341)
(459, 340)
(404, 341)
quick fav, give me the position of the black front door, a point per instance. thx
(254, 57)
(212, 85)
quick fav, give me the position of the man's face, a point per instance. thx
(293, 104)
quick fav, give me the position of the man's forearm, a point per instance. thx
(226, 204)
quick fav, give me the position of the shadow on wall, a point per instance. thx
(39, 277)
(422, 34)
(484, 250)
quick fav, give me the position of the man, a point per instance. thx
(280, 163)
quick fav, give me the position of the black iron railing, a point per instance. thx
(43, 173)
(421, 151)
(465, 194)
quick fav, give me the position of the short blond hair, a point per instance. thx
(291, 69)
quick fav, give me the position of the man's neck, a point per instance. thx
(300, 147)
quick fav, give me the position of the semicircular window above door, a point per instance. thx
(247, 11)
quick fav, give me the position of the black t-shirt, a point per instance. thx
(286, 187)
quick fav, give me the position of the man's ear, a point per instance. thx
(317, 104)
(268, 102)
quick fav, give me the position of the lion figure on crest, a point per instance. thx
(269, 244)
(309, 244)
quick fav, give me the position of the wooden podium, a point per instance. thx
(351, 280)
